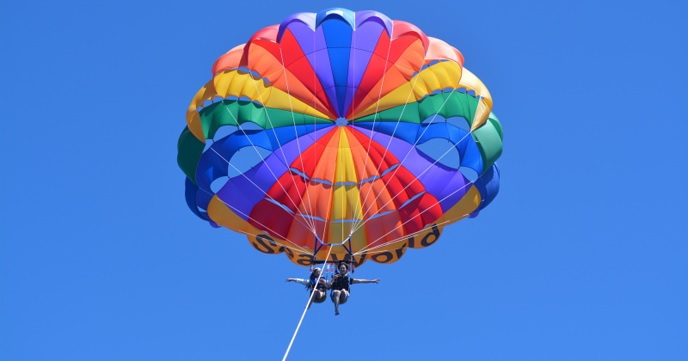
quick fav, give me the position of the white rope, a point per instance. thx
(309, 223)
(416, 216)
(361, 202)
(303, 314)
(295, 247)
(368, 249)
(257, 152)
(309, 211)
(267, 196)
(361, 224)
(274, 132)
(401, 162)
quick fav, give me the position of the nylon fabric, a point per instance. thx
(340, 128)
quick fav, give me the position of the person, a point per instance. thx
(314, 281)
(339, 285)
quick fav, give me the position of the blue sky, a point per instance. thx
(582, 256)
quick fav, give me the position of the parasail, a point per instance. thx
(340, 135)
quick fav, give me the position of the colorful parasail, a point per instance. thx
(340, 135)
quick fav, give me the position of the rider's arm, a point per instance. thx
(298, 280)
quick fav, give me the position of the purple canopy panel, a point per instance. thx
(446, 184)
(320, 61)
(365, 39)
(244, 191)
(307, 19)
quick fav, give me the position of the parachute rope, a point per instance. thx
(297, 138)
(377, 108)
(258, 153)
(305, 309)
(410, 219)
(428, 172)
(309, 222)
(267, 228)
(364, 221)
(423, 211)
(254, 184)
(395, 171)
(368, 250)
(359, 223)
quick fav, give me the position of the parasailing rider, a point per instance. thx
(339, 285)
(314, 281)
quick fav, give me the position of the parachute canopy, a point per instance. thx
(342, 133)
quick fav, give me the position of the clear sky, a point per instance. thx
(582, 256)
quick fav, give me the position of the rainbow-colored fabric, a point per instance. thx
(340, 129)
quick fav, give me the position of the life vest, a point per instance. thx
(321, 286)
(341, 282)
